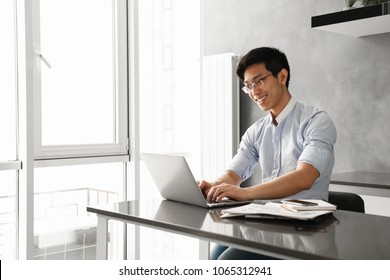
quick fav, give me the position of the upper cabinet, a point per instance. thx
(357, 22)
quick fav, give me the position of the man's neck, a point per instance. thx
(281, 105)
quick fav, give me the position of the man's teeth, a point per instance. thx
(261, 99)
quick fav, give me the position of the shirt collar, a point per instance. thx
(290, 105)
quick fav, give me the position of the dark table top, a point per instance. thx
(362, 179)
(341, 235)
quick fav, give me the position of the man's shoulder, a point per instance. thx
(303, 107)
(309, 111)
(312, 119)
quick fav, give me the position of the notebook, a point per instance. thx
(175, 180)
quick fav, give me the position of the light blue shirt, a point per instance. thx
(303, 134)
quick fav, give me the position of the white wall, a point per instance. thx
(346, 76)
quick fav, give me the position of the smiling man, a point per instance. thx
(293, 144)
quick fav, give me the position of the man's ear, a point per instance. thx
(283, 74)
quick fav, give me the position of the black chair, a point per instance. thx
(347, 201)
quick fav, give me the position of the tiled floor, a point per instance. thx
(63, 253)
(83, 247)
(154, 245)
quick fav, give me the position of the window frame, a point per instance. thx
(121, 146)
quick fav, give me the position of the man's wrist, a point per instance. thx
(215, 183)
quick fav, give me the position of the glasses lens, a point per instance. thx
(245, 89)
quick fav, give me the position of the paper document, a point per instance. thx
(271, 209)
(320, 205)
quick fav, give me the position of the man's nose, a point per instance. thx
(256, 91)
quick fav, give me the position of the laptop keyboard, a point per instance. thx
(221, 203)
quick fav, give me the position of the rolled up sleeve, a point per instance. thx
(246, 159)
(319, 138)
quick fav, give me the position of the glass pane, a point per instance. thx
(169, 61)
(78, 91)
(169, 56)
(8, 219)
(63, 228)
(7, 82)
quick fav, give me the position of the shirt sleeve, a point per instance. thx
(247, 158)
(319, 136)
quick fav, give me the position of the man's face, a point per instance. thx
(268, 92)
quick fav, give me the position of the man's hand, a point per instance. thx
(218, 192)
(212, 190)
(204, 186)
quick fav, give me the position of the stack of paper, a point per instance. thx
(280, 210)
(312, 204)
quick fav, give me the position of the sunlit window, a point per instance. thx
(170, 78)
(8, 179)
(63, 229)
(169, 74)
(82, 91)
(8, 219)
(7, 82)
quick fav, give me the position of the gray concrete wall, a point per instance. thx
(346, 76)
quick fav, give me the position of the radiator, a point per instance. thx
(220, 113)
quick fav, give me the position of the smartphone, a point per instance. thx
(299, 202)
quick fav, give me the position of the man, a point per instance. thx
(293, 144)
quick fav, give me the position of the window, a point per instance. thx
(8, 141)
(80, 115)
(72, 89)
(169, 73)
(7, 82)
(169, 61)
(73, 85)
(62, 227)
(82, 91)
(8, 217)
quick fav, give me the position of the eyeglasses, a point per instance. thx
(249, 87)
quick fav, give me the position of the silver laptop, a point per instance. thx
(181, 213)
(175, 181)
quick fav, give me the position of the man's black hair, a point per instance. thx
(273, 59)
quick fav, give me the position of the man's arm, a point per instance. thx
(286, 185)
(229, 177)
